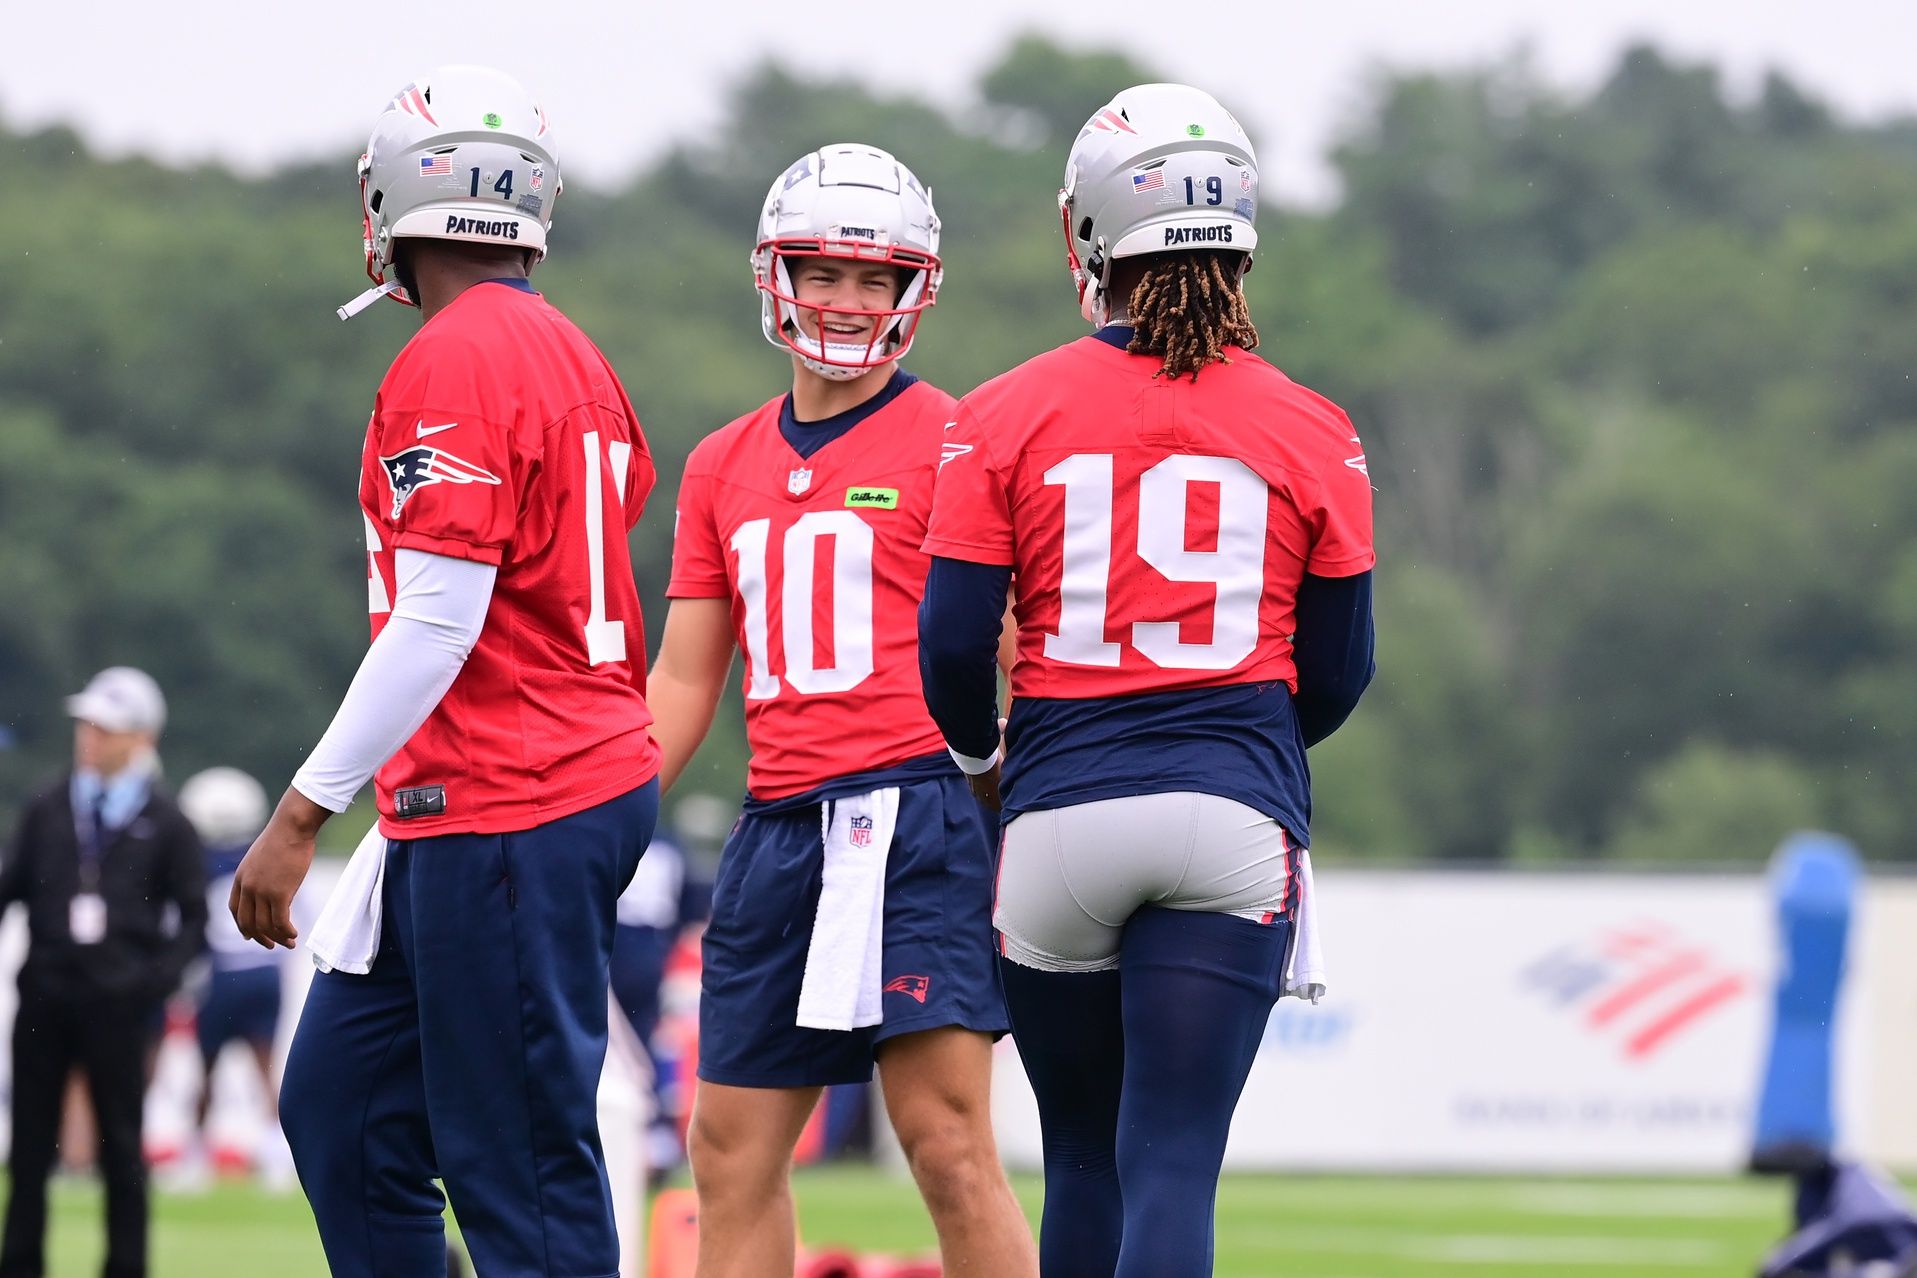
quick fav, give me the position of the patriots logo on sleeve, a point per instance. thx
(413, 469)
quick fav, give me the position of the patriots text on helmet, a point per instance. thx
(1198, 234)
(484, 226)
(422, 151)
(846, 203)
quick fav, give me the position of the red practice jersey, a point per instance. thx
(501, 435)
(820, 559)
(1157, 529)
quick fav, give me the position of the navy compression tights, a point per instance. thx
(1137, 1072)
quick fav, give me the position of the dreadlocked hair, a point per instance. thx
(1188, 308)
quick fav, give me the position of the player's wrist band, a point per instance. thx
(972, 767)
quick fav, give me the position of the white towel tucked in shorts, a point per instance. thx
(1305, 965)
(346, 935)
(844, 965)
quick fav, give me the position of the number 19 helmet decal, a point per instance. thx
(1160, 168)
(464, 154)
(860, 204)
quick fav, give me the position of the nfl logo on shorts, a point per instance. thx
(861, 831)
(798, 481)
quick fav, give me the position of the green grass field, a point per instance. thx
(1268, 1227)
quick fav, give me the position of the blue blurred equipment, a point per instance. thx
(1815, 878)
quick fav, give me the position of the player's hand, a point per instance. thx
(273, 869)
(985, 788)
(985, 784)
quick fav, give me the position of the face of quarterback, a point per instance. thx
(841, 285)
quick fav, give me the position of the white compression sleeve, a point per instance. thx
(439, 608)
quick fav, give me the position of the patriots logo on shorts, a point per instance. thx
(861, 831)
(916, 987)
(409, 471)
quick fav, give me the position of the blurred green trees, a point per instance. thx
(1633, 370)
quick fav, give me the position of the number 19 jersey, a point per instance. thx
(1158, 528)
(820, 557)
(1159, 531)
(501, 435)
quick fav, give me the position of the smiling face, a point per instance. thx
(831, 291)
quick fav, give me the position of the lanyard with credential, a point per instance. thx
(93, 839)
(87, 911)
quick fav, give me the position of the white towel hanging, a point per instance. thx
(841, 988)
(346, 935)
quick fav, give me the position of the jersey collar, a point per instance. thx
(808, 438)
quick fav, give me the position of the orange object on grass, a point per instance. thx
(673, 1240)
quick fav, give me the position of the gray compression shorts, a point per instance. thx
(1069, 878)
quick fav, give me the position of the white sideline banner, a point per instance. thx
(1519, 1022)
(1883, 946)
(1483, 1021)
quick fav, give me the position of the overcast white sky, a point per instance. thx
(257, 82)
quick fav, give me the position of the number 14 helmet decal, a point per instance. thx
(1162, 167)
(859, 204)
(464, 154)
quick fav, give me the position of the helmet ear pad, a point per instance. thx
(403, 269)
(1095, 304)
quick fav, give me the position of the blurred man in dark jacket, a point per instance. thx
(114, 882)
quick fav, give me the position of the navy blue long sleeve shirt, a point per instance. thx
(1247, 740)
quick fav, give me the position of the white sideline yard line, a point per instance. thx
(1690, 1201)
(1511, 1249)
(1572, 1198)
(1494, 1249)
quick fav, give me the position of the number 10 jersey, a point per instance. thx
(819, 556)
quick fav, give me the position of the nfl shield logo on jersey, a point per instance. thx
(798, 481)
(861, 831)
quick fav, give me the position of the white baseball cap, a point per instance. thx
(120, 699)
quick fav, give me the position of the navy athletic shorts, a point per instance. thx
(242, 1003)
(939, 967)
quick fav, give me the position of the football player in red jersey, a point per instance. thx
(1191, 536)
(851, 916)
(458, 1026)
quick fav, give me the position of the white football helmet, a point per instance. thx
(464, 154)
(1160, 168)
(225, 805)
(855, 202)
